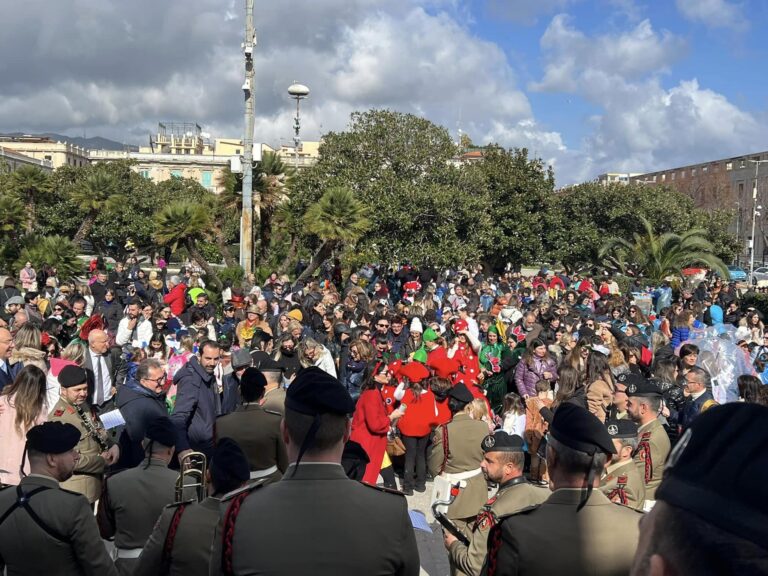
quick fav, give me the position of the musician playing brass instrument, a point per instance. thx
(97, 452)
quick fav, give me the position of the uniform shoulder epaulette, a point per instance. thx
(526, 510)
(622, 479)
(273, 412)
(383, 489)
(247, 488)
(182, 503)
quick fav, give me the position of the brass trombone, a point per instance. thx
(193, 467)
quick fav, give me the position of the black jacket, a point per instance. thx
(198, 404)
(139, 406)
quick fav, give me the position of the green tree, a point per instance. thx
(181, 223)
(337, 219)
(56, 251)
(96, 193)
(656, 256)
(271, 178)
(12, 211)
(30, 183)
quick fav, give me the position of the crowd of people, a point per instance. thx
(556, 395)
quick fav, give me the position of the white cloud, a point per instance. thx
(714, 13)
(526, 11)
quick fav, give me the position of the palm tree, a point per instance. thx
(29, 182)
(12, 211)
(56, 251)
(181, 223)
(271, 177)
(288, 216)
(658, 256)
(338, 218)
(94, 194)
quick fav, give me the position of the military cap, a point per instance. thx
(72, 376)
(229, 461)
(315, 392)
(579, 429)
(241, 359)
(252, 384)
(52, 437)
(639, 386)
(461, 393)
(728, 437)
(621, 428)
(500, 441)
(162, 431)
(269, 365)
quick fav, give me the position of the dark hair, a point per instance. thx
(329, 433)
(208, 344)
(749, 387)
(440, 387)
(665, 369)
(568, 382)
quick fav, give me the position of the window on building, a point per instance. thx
(206, 179)
(672, 176)
(729, 165)
(682, 173)
(144, 174)
(741, 188)
(238, 151)
(704, 168)
(654, 178)
(663, 177)
(742, 163)
(176, 173)
(693, 171)
(48, 157)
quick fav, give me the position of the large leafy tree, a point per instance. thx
(30, 183)
(56, 251)
(657, 256)
(96, 193)
(271, 178)
(337, 219)
(181, 224)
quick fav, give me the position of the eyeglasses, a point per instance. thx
(382, 325)
(158, 381)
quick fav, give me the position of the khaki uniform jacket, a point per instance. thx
(193, 545)
(343, 527)
(511, 497)
(651, 454)
(622, 484)
(465, 453)
(131, 504)
(26, 548)
(274, 400)
(553, 539)
(258, 434)
(89, 472)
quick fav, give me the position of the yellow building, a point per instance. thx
(41, 148)
(12, 161)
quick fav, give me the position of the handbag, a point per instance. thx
(395, 446)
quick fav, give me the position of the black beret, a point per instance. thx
(729, 437)
(269, 365)
(500, 441)
(72, 376)
(461, 393)
(579, 429)
(252, 383)
(639, 386)
(314, 391)
(53, 437)
(621, 428)
(162, 431)
(229, 461)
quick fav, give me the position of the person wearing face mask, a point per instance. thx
(43, 528)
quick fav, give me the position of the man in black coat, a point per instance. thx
(140, 400)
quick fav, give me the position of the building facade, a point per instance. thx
(41, 148)
(12, 161)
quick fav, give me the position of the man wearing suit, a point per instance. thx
(577, 530)
(7, 371)
(315, 501)
(106, 371)
(700, 399)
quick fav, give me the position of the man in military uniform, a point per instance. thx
(622, 482)
(697, 386)
(274, 394)
(133, 499)
(183, 538)
(45, 529)
(455, 458)
(256, 430)
(577, 530)
(343, 526)
(502, 464)
(653, 446)
(97, 451)
(702, 523)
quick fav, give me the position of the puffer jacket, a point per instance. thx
(526, 376)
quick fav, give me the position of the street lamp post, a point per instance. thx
(246, 219)
(298, 92)
(755, 208)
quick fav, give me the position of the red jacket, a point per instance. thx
(370, 425)
(420, 416)
(176, 299)
(443, 412)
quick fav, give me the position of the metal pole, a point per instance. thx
(754, 219)
(296, 138)
(246, 221)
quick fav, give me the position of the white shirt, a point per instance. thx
(514, 423)
(97, 359)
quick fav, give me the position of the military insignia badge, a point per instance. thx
(613, 429)
(489, 442)
(59, 412)
(631, 388)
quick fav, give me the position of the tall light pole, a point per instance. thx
(246, 220)
(298, 92)
(754, 218)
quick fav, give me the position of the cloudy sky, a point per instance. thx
(588, 85)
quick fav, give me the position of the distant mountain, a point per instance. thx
(94, 143)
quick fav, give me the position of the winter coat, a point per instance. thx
(679, 335)
(139, 407)
(526, 376)
(196, 408)
(370, 425)
(176, 299)
(112, 313)
(420, 416)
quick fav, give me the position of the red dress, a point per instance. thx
(470, 363)
(370, 425)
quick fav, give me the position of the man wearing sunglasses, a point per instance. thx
(141, 401)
